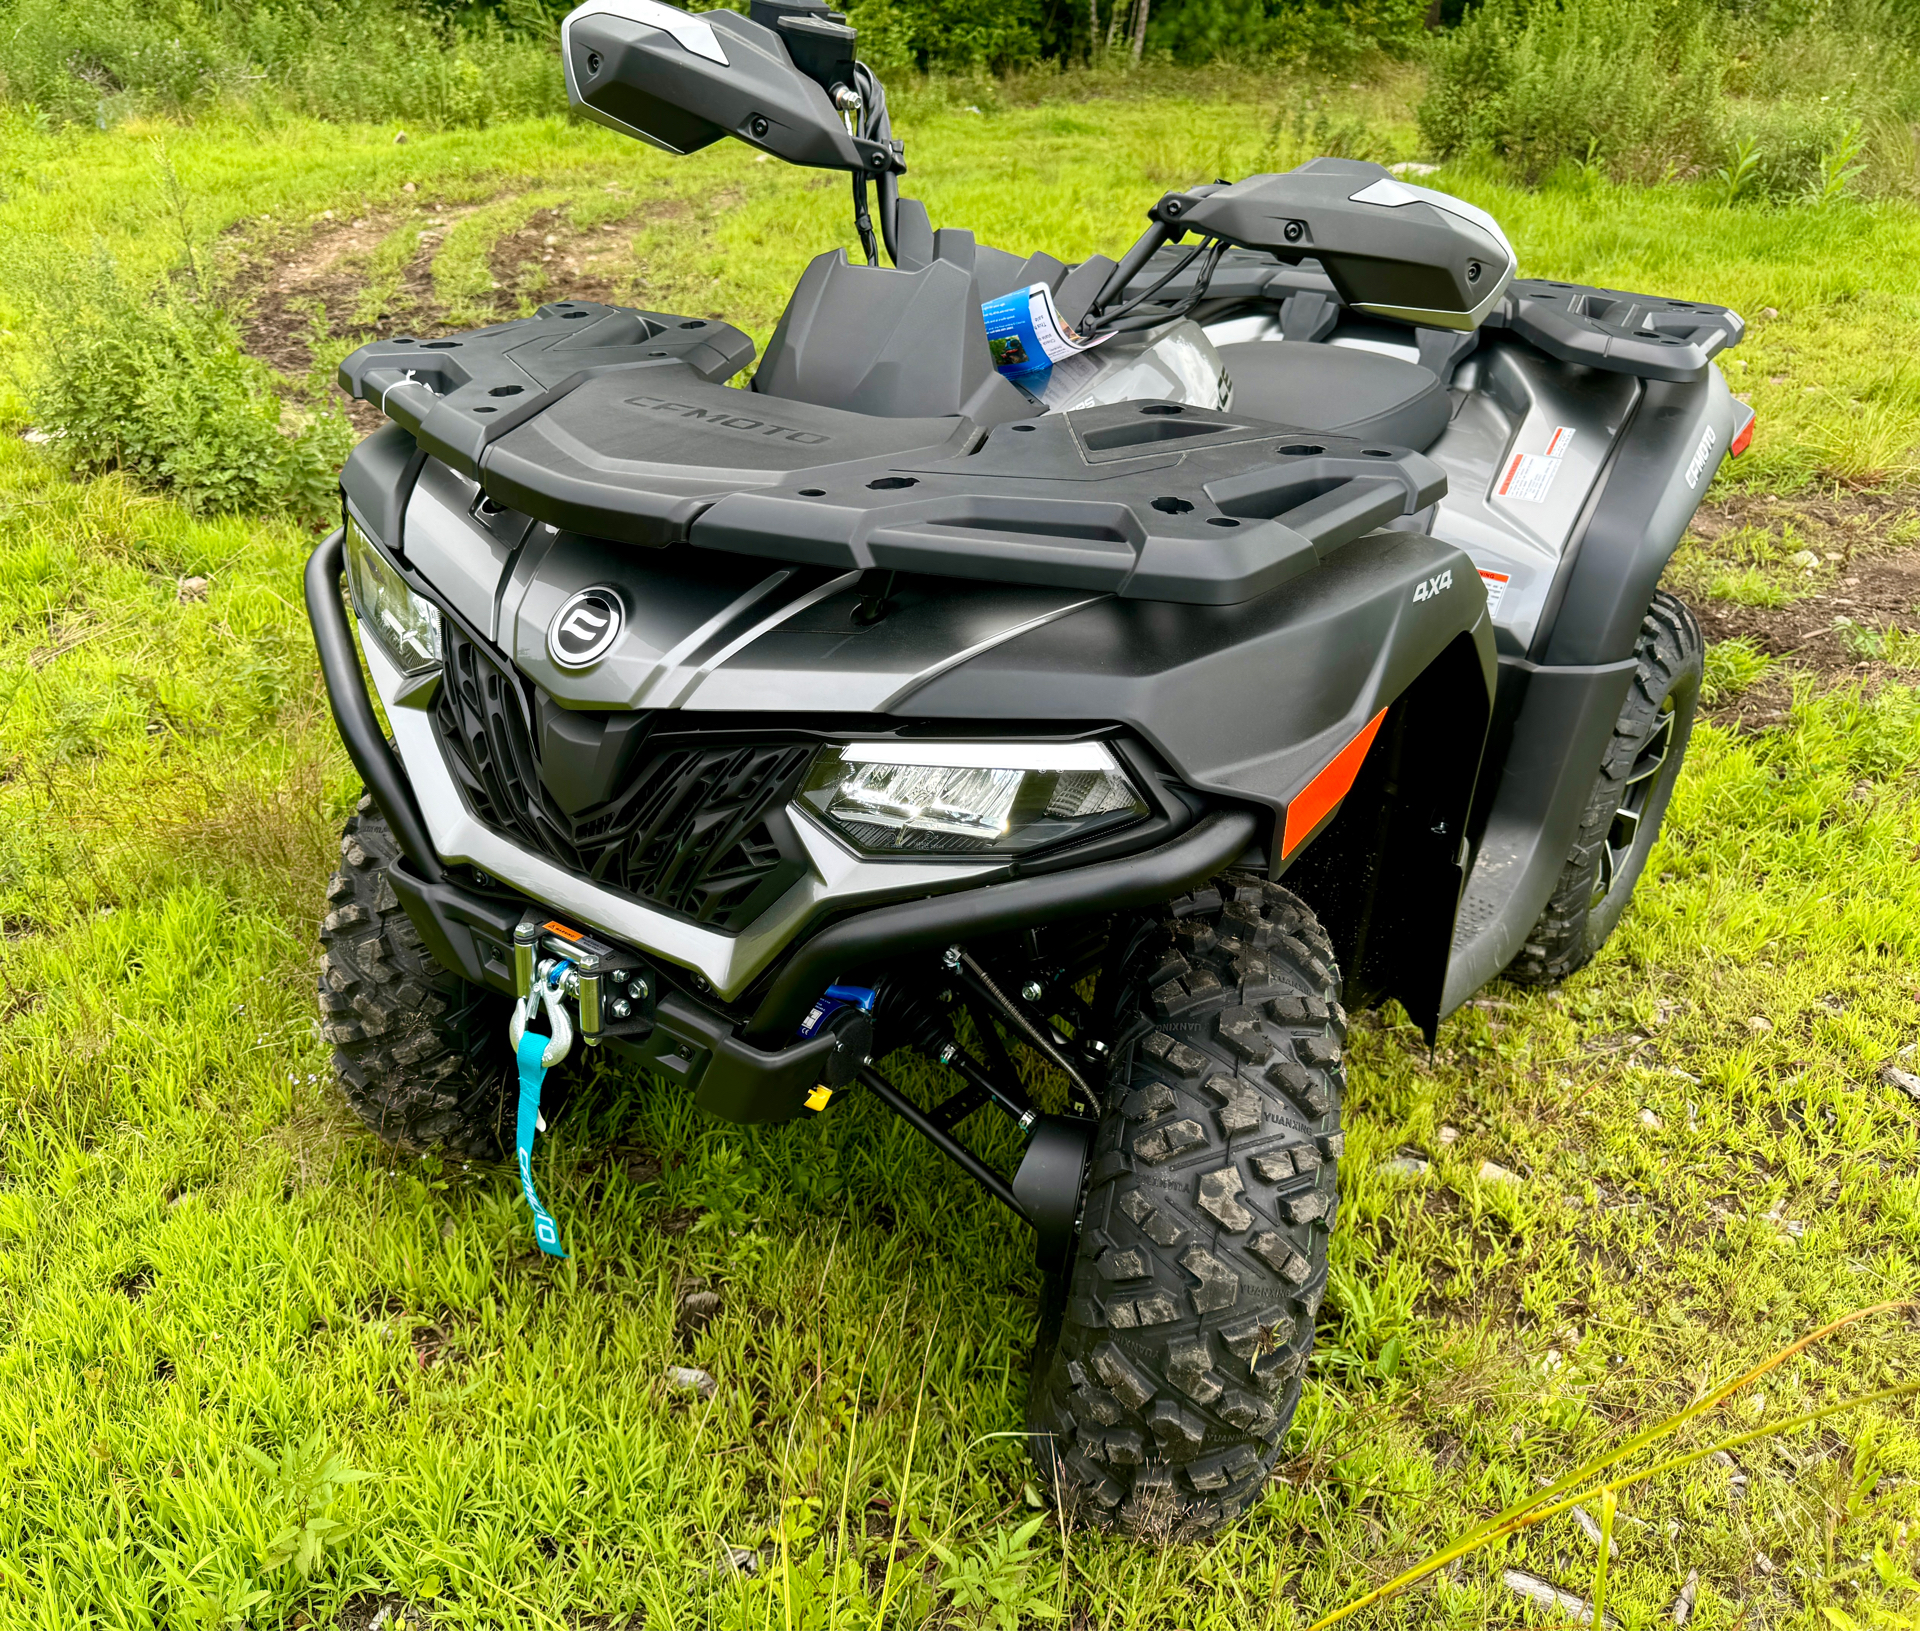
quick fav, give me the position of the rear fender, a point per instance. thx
(1659, 472)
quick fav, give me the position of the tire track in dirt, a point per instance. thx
(362, 279)
(1862, 582)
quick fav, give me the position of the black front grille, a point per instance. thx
(685, 827)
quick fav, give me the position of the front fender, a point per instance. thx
(1248, 701)
(1255, 702)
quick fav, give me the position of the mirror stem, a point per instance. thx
(862, 221)
(888, 187)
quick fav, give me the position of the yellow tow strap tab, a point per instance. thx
(820, 1097)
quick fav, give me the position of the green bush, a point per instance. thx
(1631, 85)
(430, 64)
(92, 61)
(419, 71)
(1776, 102)
(158, 387)
(1860, 55)
(947, 35)
(1329, 36)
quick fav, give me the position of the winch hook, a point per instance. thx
(546, 988)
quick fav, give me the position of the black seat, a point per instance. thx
(889, 342)
(1337, 389)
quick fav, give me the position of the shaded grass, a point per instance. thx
(198, 1255)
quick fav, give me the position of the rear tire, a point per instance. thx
(1628, 800)
(420, 1053)
(1160, 1405)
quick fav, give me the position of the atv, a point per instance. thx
(1104, 731)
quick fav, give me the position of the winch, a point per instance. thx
(613, 991)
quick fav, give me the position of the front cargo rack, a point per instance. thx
(614, 423)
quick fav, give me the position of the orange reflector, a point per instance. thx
(1745, 439)
(1329, 787)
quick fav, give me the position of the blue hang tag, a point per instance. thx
(532, 1074)
(1026, 333)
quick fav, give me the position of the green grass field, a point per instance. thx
(218, 1299)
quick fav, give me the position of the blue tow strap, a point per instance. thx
(532, 1074)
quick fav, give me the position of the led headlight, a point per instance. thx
(966, 798)
(407, 627)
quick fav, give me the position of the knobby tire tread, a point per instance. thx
(1162, 1401)
(420, 1054)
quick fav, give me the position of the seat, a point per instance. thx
(886, 341)
(1337, 389)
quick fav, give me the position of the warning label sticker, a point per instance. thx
(1528, 477)
(1496, 583)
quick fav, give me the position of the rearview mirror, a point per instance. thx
(1390, 248)
(681, 80)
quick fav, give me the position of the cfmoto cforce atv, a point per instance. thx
(1107, 729)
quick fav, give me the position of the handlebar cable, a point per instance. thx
(1114, 322)
(875, 126)
(862, 221)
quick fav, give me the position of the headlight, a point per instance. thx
(407, 627)
(966, 798)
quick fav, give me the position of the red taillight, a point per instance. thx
(1745, 439)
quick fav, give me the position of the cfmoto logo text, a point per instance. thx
(1433, 585)
(1700, 453)
(728, 421)
(585, 628)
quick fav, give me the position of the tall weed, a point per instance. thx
(1800, 150)
(1634, 87)
(157, 385)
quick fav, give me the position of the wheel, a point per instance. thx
(1629, 798)
(1159, 1404)
(421, 1054)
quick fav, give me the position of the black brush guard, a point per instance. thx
(747, 1070)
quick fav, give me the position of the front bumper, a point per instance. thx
(737, 1069)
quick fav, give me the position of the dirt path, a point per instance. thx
(307, 296)
(1848, 568)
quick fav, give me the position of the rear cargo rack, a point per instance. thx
(1617, 332)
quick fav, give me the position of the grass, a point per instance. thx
(1831, 373)
(201, 1265)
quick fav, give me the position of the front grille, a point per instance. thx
(685, 828)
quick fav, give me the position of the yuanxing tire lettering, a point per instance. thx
(421, 1054)
(1628, 800)
(1162, 1403)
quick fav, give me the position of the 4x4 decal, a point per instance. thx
(1433, 585)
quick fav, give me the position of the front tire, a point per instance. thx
(421, 1054)
(1161, 1405)
(1628, 800)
